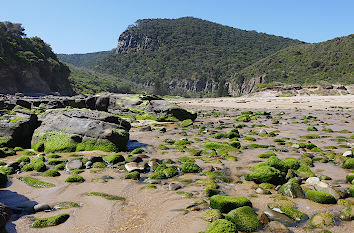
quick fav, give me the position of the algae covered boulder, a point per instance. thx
(322, 220)
(221, 226)
(245, 219)
(50, 221)
(228, 203)
(68, 130)
(291, 189)
(212, 215)
(266, 174)
(320, 197)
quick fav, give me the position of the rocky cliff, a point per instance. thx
(29, 66)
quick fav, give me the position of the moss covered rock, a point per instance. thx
(221, 226)
(266, 174)
(89, 130)
(135, 175)
(51, 173)
(245, 219)
(228, 203)
(293, 213)
(349, 164)
(190, 167)
(170, 172)
(50, 221)
(291, 189)
(212, 215)
(322, 220)
(186, 123)
(36, 164)
(351, 191)
(320, 197)
(75, 179)
(347, 214)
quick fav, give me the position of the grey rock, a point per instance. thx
(276, 216)
(277, 227)
(134, 166)
(73, 164)
(88, 164)
(174, 186)
(41, 207)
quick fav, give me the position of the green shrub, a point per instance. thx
(320, 197)
(227, 203)
(245, 219)
(113, 159)
(50, 221)
(190, 167)
(75, 179)
(221, 226)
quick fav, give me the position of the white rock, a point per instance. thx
(348, 153)
(313, 180)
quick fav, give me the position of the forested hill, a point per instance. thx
(28, 65)
(326, 62)
(187, 55)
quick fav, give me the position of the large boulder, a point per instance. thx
(16, 127)
(167, 111)
(67, 130)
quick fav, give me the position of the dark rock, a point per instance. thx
(145, 128)
(164, 109)
(16, 128)
(95, 159)
(5, 215)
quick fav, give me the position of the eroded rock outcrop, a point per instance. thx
(66, 130)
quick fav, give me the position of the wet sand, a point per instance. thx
(159, 210)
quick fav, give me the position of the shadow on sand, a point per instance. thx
(20, 205)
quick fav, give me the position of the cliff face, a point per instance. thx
(34, 81)
(29, 66)
(133, 43)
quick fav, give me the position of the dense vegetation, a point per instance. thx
(22, 52)
(330, 61)
(89, 82)
(160, 50)
(29, 65)
(194, 57)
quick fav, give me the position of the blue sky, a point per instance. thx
(81, 26)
